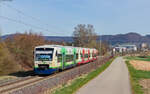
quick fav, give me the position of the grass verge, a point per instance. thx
(142, 58)
(80, 81)
(135, 76)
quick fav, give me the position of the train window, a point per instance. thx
(81, 55)
(95, 55)
(72, 57)
(92, 54)
(44, 49)
(59, 57)
(86, 55)
(44, 57)
(56, 53)
(76, 56)
(69, 58)
(39, 49)
(48, 49)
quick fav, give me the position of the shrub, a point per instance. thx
(21, 46)
(7, 62)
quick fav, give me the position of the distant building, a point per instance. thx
(119, 49)
(144, 47)
(125, 48)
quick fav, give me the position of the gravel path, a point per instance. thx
(114, 80)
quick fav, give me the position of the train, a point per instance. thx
(49, 59)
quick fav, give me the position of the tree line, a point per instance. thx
(16, 51)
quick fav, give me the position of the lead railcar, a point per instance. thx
(51, 58)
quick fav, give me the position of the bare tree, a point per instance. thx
(92, 36)
(79, 35)
(84, 36)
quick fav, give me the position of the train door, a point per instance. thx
(83, 52)
(93, 55)
(74, 58)
(63, 58)
(88, 54)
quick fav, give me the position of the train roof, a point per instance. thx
(48, 46)
(60, 46)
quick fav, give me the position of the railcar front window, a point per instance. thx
(44, 57)
(45, 49)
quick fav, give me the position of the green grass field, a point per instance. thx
(142, 58)
(80, 81)
(136, 75)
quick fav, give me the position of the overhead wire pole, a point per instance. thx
(100, 45)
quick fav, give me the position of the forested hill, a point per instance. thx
(134, 38)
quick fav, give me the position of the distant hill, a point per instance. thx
(129, 38)
(59, 38)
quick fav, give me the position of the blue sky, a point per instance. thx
(61, 16)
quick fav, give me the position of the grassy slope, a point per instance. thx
(79, 82)
(136, 75)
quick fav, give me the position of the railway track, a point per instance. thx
(16, 85)
(13, 86)
(11, 81)
(6, 88)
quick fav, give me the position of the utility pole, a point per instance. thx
(100, 44)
